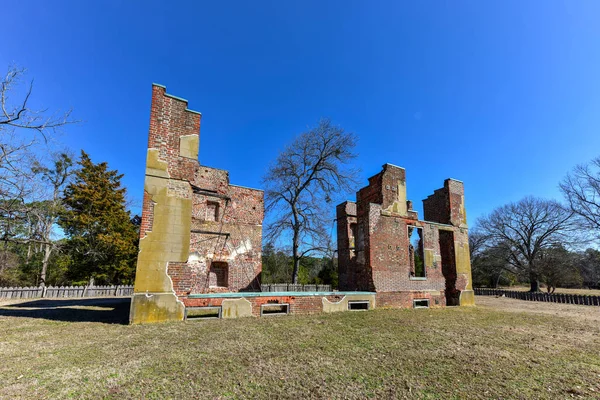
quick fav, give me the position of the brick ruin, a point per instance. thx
(383, 247)
(199, 233)
(201, 238)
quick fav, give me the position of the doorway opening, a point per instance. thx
(449, 267)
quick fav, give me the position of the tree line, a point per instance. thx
(278, 267)
(62, 221)
(540, 241)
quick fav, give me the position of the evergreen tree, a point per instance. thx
(102, 239)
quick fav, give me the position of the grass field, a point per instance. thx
(502, 348)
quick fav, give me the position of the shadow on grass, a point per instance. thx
(105, 310)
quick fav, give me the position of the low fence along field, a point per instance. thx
(580, 299)
(69, 292)
(290, 287)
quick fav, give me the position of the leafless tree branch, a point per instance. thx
(524, 230)
(306, 176)
(22, 129)
(581, 188)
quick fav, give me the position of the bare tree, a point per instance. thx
(302, 181)
(589, 265)
(581, 188)
(488, 263)
(48, 211)
(477, 242)
(559, 268)
(524, 229)
(22, 130)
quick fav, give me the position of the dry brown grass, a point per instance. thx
(503, 348)
(576, 312)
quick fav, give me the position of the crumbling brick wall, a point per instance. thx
(226, 231)
(436, 207)
(446, 205)
(198, 232)
(382, 260)
(346, 238)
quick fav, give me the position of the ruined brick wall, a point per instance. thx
(174, 134)
(346, 238)
(436, 207)
(370, 200)
(390, 261)
(198, 233)
(353, 249)
(226, 234)
(171, 124)
(371, 193)
(298, 304)
(386, 188)
(386, 263)
(446, 205)
(405, 299)
(456, 201)
(171, 163)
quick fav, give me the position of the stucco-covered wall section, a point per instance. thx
(199, 233)
(171, 163)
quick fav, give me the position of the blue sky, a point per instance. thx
(503, 95)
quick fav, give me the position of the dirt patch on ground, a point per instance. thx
(591, 313)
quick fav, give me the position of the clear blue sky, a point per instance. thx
(503, 95)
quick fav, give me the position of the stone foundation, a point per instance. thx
(299, 302)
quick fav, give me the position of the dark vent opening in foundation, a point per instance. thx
(421, 303)
(196, 313)
(274, 309)
(358, 305)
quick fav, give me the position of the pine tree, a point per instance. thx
(102, 239)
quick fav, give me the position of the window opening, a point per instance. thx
(212, 211)
(415, 252)
(219, 275)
